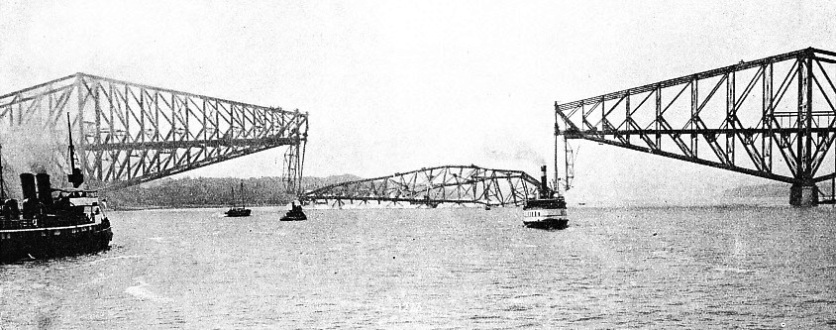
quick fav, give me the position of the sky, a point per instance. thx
(392, 86)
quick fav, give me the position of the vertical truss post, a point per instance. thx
(730, 122)
(584, 120)
(808, 116)
(301, 169)
(628, 116)
(768, 118)
(799, 120)
(295, 155)
(290, 168)
(693, 120)
(804, 191)
(658, 118)
(556, 136)
(603, 115)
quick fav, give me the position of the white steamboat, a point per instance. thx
(548, 211)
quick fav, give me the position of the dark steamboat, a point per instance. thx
(52, 222)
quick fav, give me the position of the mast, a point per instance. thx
(2, 181)
(242, 195)
(567, 152)
(72, 148)
(75, 177)
(556, 134)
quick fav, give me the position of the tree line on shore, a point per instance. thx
(208, 192)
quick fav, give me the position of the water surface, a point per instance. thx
(663, 267)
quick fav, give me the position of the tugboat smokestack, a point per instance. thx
(544, 186)
(44, 189)
(27, 183)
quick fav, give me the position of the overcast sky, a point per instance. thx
(394, 86)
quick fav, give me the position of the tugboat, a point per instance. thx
(548, 211)
(235, 211)
(295, 213)
(53, 222)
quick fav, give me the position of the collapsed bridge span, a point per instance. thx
(455, 184)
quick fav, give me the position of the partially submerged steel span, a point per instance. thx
(433, 186)
(129, 133)
(740, 107)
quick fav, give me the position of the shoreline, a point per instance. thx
(189, 206)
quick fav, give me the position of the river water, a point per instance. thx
(653, 267)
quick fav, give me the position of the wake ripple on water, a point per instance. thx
(733, 270)
(820, 301)
(516, 308)
(142, 291)
(113, 258)
(588, 318)
(484, 317)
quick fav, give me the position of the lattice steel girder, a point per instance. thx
(725, 109)
(436, 185)
(129, 133)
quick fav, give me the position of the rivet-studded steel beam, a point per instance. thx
(433, 186)
(741, 113)
(128, 133)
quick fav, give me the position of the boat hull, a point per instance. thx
(547, 223)
(16, 244)
(294, 217)
(546, 213)
(238, 213)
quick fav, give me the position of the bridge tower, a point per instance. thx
(773, 118)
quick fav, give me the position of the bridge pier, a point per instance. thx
(804, 194)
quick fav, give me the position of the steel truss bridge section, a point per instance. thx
(462, 185)
(128, 133)
(773, 118)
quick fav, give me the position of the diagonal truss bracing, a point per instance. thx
(774, 117)
(434, 186)
(129, 133)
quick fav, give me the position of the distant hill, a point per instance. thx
(212, 192)
(761, 190)
(765, 190)
(310, 183)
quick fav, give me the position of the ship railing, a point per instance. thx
(77, 193)
(17, 224)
